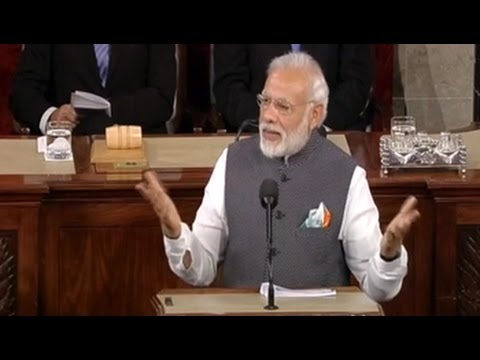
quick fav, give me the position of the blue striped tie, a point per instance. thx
(102, 52)
(296, 47)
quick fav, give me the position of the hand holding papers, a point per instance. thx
(84, 102)
(284, 292)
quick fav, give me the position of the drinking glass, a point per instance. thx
(59, 141)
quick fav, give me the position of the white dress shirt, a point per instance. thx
(360, 235)
(44, 119)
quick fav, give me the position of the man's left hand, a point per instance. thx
(391, 245)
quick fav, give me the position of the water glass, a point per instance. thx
(403, 127)
(59, 141)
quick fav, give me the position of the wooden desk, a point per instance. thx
(348, 301)
(89, 245)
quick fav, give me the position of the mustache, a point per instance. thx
(272, 128)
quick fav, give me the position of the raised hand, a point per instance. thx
(153, 191)
(398, 228)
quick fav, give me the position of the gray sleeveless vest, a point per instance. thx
(304, 257)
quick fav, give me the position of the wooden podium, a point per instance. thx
(228, 302)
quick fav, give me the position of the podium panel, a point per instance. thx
(347, 301)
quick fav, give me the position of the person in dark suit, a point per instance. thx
(240, 74)
(139, 80)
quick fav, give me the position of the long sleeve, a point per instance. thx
(361, 236)
(206, 240)
(231, 84)
(28, 98)
(349, 97)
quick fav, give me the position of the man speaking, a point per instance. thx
(325, 224)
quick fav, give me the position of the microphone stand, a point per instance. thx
(271, 291)
(244, 125)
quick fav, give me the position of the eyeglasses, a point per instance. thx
(282, 106)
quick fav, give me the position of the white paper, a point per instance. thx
(284, 292)
(86, 100)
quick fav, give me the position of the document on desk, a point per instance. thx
(83, 102)
(285, 292)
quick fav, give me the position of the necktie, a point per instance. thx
(102, 52)
(296, 47)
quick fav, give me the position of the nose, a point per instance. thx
(268, 114)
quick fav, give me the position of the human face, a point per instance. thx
(286, 115)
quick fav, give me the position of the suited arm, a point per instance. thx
(232, 84)
(28, 99)
(349, 97)
(152, 105)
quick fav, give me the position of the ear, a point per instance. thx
(317, 116)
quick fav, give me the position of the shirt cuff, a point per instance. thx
(44, 119)
(177, 247)
(392, 268)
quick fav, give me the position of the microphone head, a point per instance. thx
(269, 193)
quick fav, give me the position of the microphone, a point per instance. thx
(269, 193)
(244, 125)
(269, 199)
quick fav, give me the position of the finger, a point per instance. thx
(70, 116)
(401, 224)
(410, 217)
(414, 215)
(143, 190)
(71, 109)
(64, 116)
(409, 204)
(152, 181)
(68, 109)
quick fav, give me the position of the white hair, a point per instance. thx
(304, 62)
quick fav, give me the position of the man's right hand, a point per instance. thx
(66, 113)
(154, 192)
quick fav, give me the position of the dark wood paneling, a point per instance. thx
(105, 258)
(457, 253)
(445, 258)
(109, 271)
(468, 271)
(8, 273)
(19, 231)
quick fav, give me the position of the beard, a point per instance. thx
(290, 143)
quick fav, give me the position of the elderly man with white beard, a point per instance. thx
(326, 224)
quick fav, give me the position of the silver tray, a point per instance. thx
(422, 151)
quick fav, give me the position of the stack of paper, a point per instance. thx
(284, 292)
(81, 100)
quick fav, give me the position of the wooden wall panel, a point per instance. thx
(105, 258)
